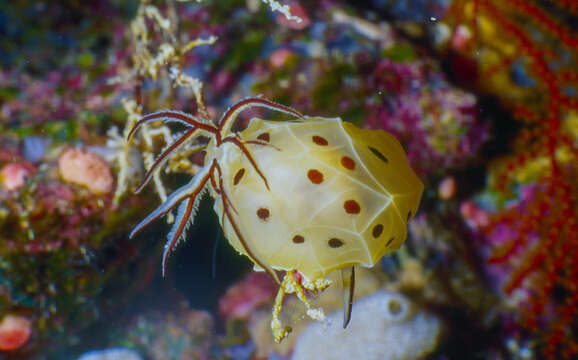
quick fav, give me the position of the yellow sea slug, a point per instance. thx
(306, 196)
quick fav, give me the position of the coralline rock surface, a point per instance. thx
(84, 168)
(384, 326)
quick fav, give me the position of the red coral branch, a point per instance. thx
(548, 266)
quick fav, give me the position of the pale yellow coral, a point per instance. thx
(147, 64)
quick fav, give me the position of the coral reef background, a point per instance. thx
(483, 95)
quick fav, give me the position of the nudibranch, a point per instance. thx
(305, 196)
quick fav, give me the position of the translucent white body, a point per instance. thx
(335, 195)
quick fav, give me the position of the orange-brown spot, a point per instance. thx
(351, 207)
(320, 140)
(335, 243)
(298, 239)
(238, 176)
(389, 242)
(264, 137)
(348, 162)
(408, 216)
(315, 176)
(377, 230)
(263, 213)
